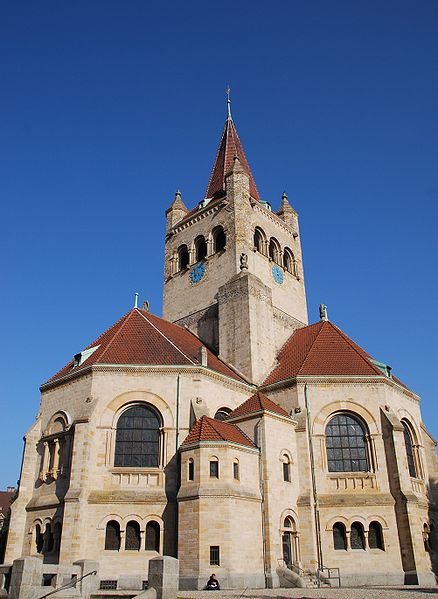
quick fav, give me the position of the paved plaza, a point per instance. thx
(405, 592)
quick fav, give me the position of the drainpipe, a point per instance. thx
(315, 493)
(260, 442)
(178, 459)
(177, 412)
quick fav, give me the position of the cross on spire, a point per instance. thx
(228, 90)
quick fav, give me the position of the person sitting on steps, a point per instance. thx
(213, 584)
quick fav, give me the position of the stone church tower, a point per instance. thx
(233, 267)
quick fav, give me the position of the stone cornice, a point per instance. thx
(138, 368)
(188, 221)
(343, 379)
(271, 216)
(217, 443)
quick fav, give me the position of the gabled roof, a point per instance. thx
(229, 147)
(139, 337)
(321, 349)
(209, 429)
(257, 403)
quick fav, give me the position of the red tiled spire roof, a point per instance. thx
(229, 147)
(257, 403)
(139, 337)
(209, 429)
(321, 349)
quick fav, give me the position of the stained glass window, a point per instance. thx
(132, 538)
(357, 537)
(339, 536)
(346, 445)
(152, 536)
(137, 438)
(375, 536)
(112, 536)
(409, 451)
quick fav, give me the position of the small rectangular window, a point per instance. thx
(214, 469)
(286, 472)
(214, 555)
(191, 470)
(236, 470)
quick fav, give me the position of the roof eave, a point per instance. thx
(215, 443)
(178, 368)
(341, 378)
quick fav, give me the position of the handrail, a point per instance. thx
(330, 576)
(73, 582)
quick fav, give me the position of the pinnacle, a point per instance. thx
(178, 203)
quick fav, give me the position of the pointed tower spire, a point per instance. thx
(230, 146)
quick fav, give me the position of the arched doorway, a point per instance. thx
(290, 544)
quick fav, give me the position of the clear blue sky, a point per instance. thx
(107, 107)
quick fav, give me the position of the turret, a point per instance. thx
(176, 212)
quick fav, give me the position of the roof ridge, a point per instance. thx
(217, 156)
(355, 347)
(165, 336)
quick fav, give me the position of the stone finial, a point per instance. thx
(203, 356)
(323, 312)
(243, 261)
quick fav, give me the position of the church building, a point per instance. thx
(230, 433)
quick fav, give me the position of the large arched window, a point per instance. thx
(274, 250)
(183, 257)
(259, 240)
(409, 450)
(375, 536)
(339, 536)
(346, 444)
(132, 538)
(153, 536)
(357, 536)
(200, 248)
(138, 438)
(112, 536)
(219, 239)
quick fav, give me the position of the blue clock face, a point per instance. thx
(277, 273)
(197, 272)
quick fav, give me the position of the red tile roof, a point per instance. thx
(257, 403)
(209, 429)
(321, 349)
(139, 337)
(229, 147)
(5, 501)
